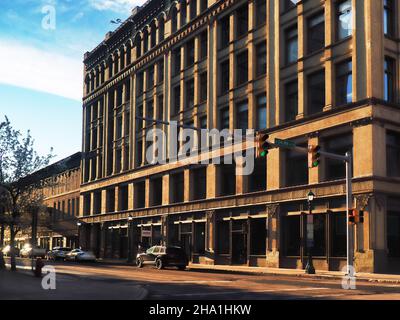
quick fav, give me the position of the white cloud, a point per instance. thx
(33, 68)
(120, 6)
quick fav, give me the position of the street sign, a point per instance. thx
(285, 143)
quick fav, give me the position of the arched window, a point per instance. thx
(102, 72)
(145, 41)
(153, 34)
(97, 77)
(128, 53)
(110, 67)
(87, 83)
(183, 12)
(116, 64)
(161, 29)
(193, 9)
(174, 19)
(92, 81)
(138, 44)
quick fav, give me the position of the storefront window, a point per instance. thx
(339, 235)
(319, 249)
(258, 235)
(393, 233)
(223, 237)
(157, 238)
(292, 239)
(200, 238)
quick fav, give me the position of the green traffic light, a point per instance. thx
(315, 164)
(263, 153)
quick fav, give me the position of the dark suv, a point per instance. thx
(162, 257)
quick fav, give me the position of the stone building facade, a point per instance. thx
(315, 72)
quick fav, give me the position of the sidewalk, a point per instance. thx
(370, 277)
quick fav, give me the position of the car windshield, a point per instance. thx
(150, 251)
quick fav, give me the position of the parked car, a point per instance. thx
(79, 255)
(161, 257)
(28, 252)
(58, 253)
(7, 251)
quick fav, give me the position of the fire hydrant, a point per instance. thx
(38, 268)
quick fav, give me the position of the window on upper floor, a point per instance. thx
(291, 49)
(344, 83)
(161, 71)
(227, 179)
(242, 116)
(193, 9)
(183, 10)
(242, 21)
(261, 59)
(224, 118)
(389, 24)
(335, 170)
(189, 94)
(177, 187)
(110, 200)
(224, 28)
(296, 169)
(200, 183)
(203, 87)
(190, 53)
(261, 112)
(242, 68)
(156, 191)
(224, 77)
(176, 108)
(203, 5)
(261, 12)
(344, 20)
(177, 61)
(390, 80)
(316, 32)
(174, 20)
(140, 83)
(291, 101)
(393, 154)
(160, 115)
(203, 45)
(153, 35)
(289, 4)
(145, 41)
(140, 195)
(258, 179)
(161, 30)
(316, 92)
(123, 198)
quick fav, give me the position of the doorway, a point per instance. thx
(239, 248)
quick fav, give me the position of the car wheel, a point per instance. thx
(182, 268)
(159, 264)
(139, 263)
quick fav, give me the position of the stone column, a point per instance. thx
(210, 237)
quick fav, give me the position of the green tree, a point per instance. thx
(19, 191)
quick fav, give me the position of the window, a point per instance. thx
(140, 83)
(177, 61)
(199, 185)
(110, 204)
(157, 191)
(296, 169)
(203, 45)
(258, 236)
(224, 118)
(160, 71)
(393, 154)
(291, 236)
(223, 236)
(258, 179)
(344, 20)
(334, 169)
(203, 5)
(161, 30)
(200, 238)
(139, 153)
(290, 4)
(123, 198)
(149, 112)
(190, 53)
(291, 101)
(153, 36)
(178, 187)
(139, 123)
(224, 67)
(242, 15)
(291, 45)
(316, 92)
(145, 41)
(261, 112)
(193, 9)
(388, 17)
(316, 33)
(242, 68)
(228, 179)
(224, 31)
(174, 20)
(338, 235)
(190, 94)
(140, 195)
(393, 227)
(150, 78)
(183, 10)
(261, 60)
(203, 87)
(242, 116)
(261, 12)
(344, 83)
(389, 80)
(177, 100)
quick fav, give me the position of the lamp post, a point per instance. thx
(79, 224)
(130, 258)
(310, 234)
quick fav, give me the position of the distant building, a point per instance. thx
(313, 72)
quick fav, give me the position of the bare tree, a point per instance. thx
(20, 191)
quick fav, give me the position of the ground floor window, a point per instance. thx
(319, 248)
(223, 235)
(291, 236)
(393, 234)
(258, 236)
(200, 238)
(339, 235)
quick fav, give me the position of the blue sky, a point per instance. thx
(41, 67)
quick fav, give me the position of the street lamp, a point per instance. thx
(79, 224)
(130, 259)
(310, 234)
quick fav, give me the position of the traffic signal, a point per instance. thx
(313, 156)
(263, 145)
(352, 216)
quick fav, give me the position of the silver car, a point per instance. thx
(58, 253)
(79, 255)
